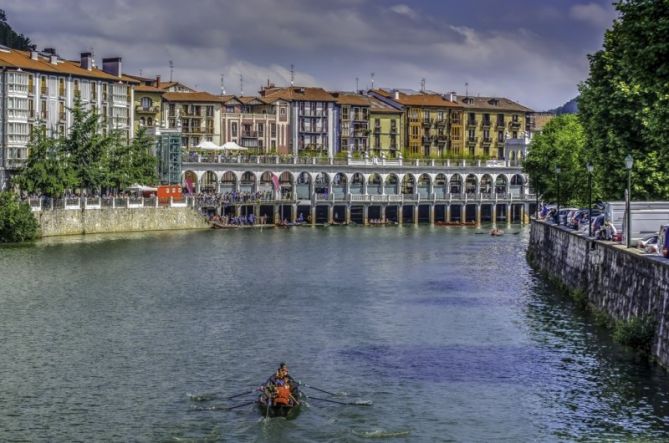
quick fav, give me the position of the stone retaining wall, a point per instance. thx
(620, 282)
(76, 222)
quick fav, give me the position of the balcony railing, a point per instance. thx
(98, 203)
(471, 122)
(147, 110)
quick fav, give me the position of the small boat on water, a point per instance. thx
(289, 411)
(496, 232)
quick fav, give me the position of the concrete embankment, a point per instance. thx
(76, 222)
(615, 281)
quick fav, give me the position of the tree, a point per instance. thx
(48, 170)
(561, 143)
(17, 222)
(10, 38)
(624, 104)
(143, 162)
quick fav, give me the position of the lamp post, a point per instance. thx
(629, 162)
(557, 180)
(589, 168)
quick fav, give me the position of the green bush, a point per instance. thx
(17, 222)
(637, 332)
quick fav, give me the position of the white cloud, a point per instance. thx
(403, 9)
(593, 14)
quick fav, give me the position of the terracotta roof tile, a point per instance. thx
(420, 99)
(192, 97)
(379, 106)
(492, 104)
(146, 88)
(298, 93)
(351, 98)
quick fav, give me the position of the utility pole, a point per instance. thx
(171, 69)
(422, 85)
(222, 84)
(372, 80)
(356, 85)
(241, 84)
(292, 75)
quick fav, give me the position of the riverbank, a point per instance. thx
(114, 220)
(619, 283)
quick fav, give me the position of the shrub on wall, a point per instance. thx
(637, 332)
(17, 222)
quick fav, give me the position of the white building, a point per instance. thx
(39, 88)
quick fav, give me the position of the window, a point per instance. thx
(31, 85)
(149, 121)
(234, 129)
(61, 87)
(146, 103)
(43, 88)
(282, 112)
(500, 136)
(344, 113)
(261, 130)
(142, 122)
(272, 128)
(94, 91)
(77, 91)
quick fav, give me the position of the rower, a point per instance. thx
(281, 387)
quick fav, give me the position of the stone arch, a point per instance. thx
(322, 183)
(287, 185)
(248, 182)
(470, 184)
(517, 185)
(486, 184)
(409, 184)
(501, 184)
(190, 181)
(228, 182)
(374, 184)
(455, 184)
(209, 182)
(392, 184)
(439, 187)
(357, 184)
(424, 185)
(266, 183)
(304, 185)
(339, 184)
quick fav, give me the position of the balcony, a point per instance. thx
(44, 90)
(500, 124)
(393, 131)
(485, 124)
(250, 134)
(427, 123)
(487, 140)
(472, 140)
(377, 129)
(310, 113)
(440, 123)
(471, 122)
(148, 110)
(514, 125)
(313, 130)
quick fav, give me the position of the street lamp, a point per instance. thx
(629, 162)
(557, 180)
(589, 168)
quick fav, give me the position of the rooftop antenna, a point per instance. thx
(140, 72)
(241, 84)
(356, 85)
(422, 85)
(372, 80)
(171, 69)
(466, 89)
(222, 84)
(292, 75)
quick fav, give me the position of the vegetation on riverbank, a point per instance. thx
(17, 222)
(87, 159)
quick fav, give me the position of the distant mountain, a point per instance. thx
(9, 37)
(571, 107)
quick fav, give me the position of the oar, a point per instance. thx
(243, 393)
(352, 403)
(224, 408)
(316, 389)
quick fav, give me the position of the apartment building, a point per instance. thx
(256, 123)
(495, 127)
(387, 123)
(352, 122)
(311, 118)
(147, 106)
(433, 121)
(39, 88)
(196, 114)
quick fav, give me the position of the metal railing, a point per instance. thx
(97, 203)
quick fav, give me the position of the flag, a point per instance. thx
(275, 181)
(189, 185)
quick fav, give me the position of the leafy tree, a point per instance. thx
(9, 37)
(624, 104)
(561, 143)
(17, 222)
(143, 162)
(48, 170)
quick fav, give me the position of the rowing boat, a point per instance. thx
(271, 410)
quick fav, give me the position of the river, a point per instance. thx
(446, 331)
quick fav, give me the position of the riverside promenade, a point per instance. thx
(343, 191)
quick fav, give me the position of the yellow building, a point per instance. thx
(387, 124)
(432, 124)
(490, 122)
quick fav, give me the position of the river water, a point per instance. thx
(446, 331)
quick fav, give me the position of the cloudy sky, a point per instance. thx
(534, 52)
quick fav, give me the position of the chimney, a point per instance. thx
(112, 66)
(396, 94)
(86, 61)
(157, 81)
(53, 59)
(34, 55)
(452, 96)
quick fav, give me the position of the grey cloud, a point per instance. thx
(520, 49)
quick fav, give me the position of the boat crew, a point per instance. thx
(281, 387)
